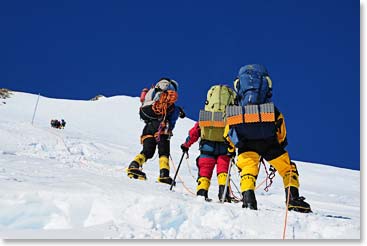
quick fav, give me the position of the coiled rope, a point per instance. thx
(166, 99)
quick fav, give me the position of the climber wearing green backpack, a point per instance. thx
(213, 148)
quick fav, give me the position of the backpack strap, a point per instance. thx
(260, 87)
(229, 98)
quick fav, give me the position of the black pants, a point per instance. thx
(269, 148)
(150, 144)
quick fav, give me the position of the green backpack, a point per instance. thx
(212, 118)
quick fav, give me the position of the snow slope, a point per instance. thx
(71, 183)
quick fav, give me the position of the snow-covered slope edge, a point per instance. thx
(71, 183)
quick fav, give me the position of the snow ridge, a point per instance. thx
(71, 183)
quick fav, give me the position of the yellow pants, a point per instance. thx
(248, 162)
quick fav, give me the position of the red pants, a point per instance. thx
(206, 165)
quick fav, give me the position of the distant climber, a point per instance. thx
(63, 123)
(58, 124)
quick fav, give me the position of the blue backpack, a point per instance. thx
(254, 116)
(253, 85)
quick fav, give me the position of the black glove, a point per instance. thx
(184, 148)
(182, 113)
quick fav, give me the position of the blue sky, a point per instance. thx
(77, 49)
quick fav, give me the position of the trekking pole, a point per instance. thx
(227, 181)
(179, 164)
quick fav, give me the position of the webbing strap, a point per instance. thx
(142, 138)
(211, 119)
(269, 176)
(250, 114)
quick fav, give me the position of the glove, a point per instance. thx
(184, 148)
(182, 113)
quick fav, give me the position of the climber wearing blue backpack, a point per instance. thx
(257, 129)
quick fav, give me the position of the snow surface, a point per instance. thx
(71, 183)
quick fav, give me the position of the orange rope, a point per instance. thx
(257, 187)
(188, 166)
(286, 207)
(166, 99)
(183, 183)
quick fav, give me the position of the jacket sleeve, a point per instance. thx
(172, 117)
(194, 135)
(231, 147)
(281, 129)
